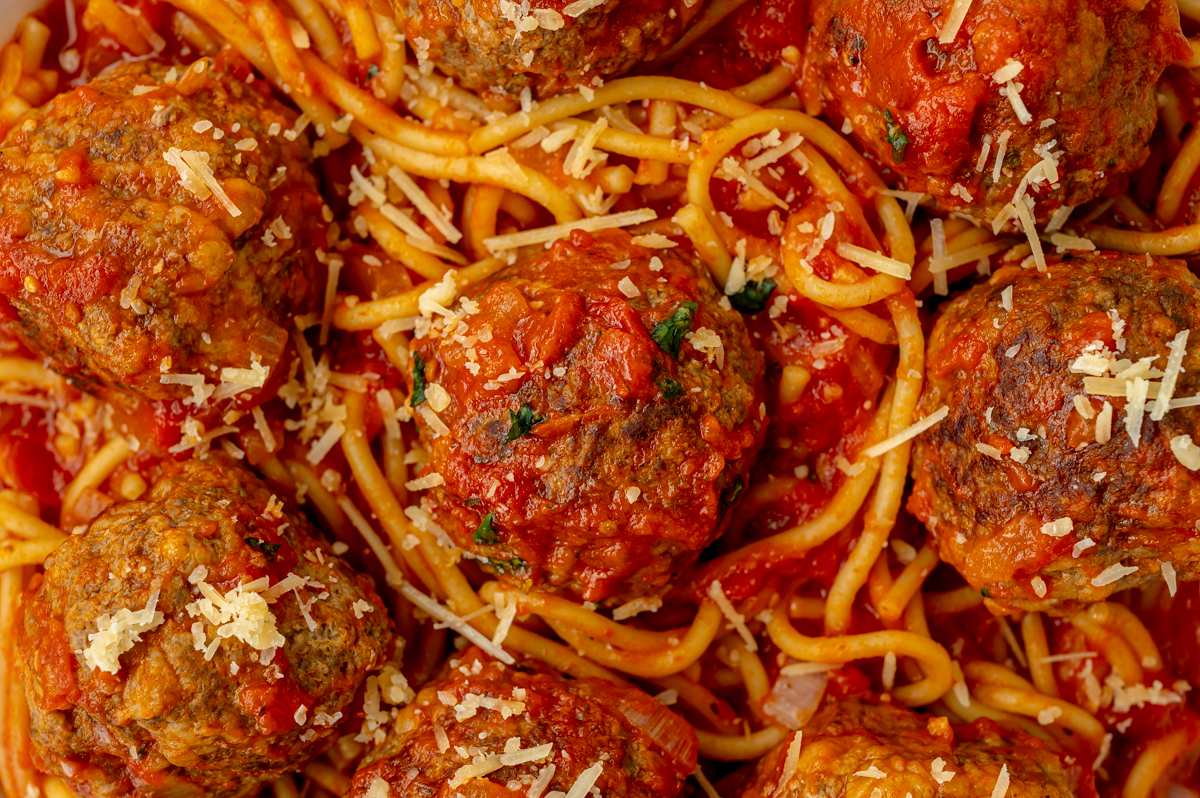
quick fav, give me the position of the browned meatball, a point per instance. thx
(148, 669)
(1039, 486)
(860, 746)
(1087, 76)
(591, 415)
(488, 730)
(123, 261)
(503, 46)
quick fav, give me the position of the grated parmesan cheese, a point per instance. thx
(1178, 348)
(1186, 452)
(1168, 572)
(1001, 788)
(875, 261)
(735, 618)
(116, 634)
(1113, 573)
(1058, 528)
(954, 21)
(907, 433)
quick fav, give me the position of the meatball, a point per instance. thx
(484, 729)
(500, 47)
(860, 746)
(1042, 487)
(200, 642)
(156, 221)
(1085, 70)
(590, 414)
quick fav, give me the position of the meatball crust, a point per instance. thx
(859, 734)
(192, 709)
(1020, 447)
(500, 47)
(113, 266)
(577, 453)
(929, 110)
(584, 721)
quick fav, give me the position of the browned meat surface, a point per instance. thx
(118, 270)
(930, 110)
(601, 415)
(1024, 444)
(213, 692)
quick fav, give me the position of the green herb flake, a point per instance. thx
(895, 136)
(372, 71)
(669, 332)
(985, 592)
(754, 296)
(731, 493)
(670, 388)
(485, 535)
(507, 566)
(418, 395)
(268, 549)
(522, 422)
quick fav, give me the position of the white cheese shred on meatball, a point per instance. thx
(735, 618)
(118, 633)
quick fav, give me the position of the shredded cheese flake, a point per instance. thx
(908, 433)
(735, 618)
(1113, 573)
(544, 235)
(118, 633)
(875, 261)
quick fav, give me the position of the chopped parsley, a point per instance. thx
(731, 493)
(522, 422)
(670, 389)
(485, 535)
(418, 381)
(372, 71)
(669, 332)
(754, 296)
(895, 136)
(983, 591)
(507, 566)
(268, 549)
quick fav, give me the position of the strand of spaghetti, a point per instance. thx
(801, 538)
(54, 787)
(327, 777)
(493, 170)
(651, 664)
(622, 90)
(586, 621)
(1030, 703)
(1156, 758)
(983, 672)
(702, 700)
(378, 494)
(889, 492)
(754, 675)
(835, 295)
(97, 469)
(395, 346)
(739, 747)
(1037, 648)
(1122, 619)
(464, 601)
(391, 66)
(908, 584)
(808, 608)
(1113, 647)
(710, 16)
(285, 787)
(17, 776)
(16, 553)
(960, 599)
(396, 244)
(373, 114)
(369, 315)
(16, 521)
(394, 452)
(915, 622)
(319, 495)
(897, 235)
(706, 240)
(933, 659)
(29, 372)
(640, 145)
(1173, 241)
(274, 470)
(1135, 216)
(481, 207)
(767, 86)
(363, 35)
(1173, 190)
(975, 710)
(218, 15)
(863, 322)
(320, 28)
